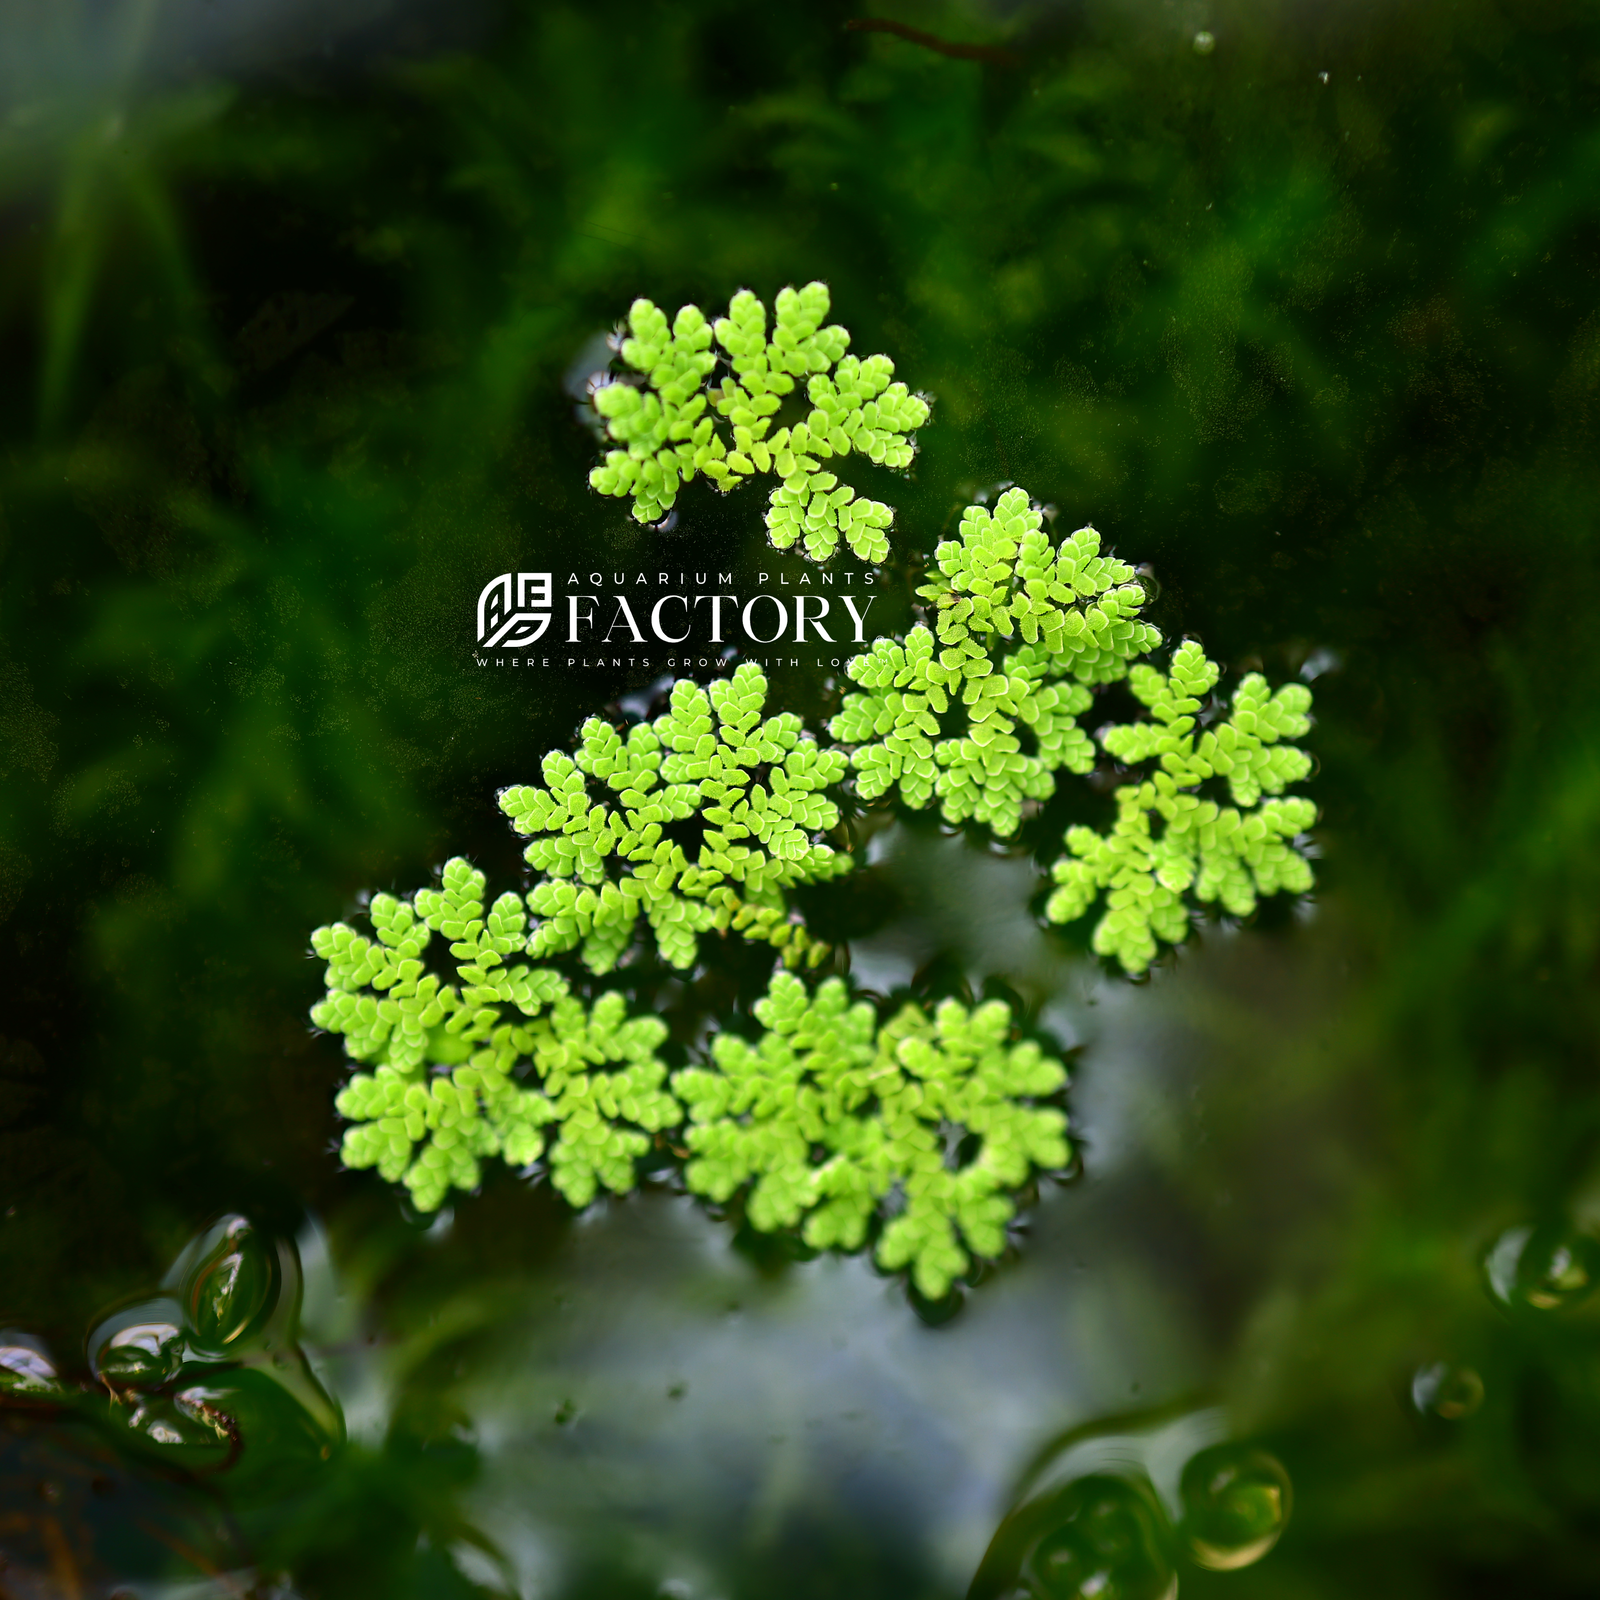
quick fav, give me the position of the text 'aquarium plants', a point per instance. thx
(799, 801)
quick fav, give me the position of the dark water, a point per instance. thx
(293, 298)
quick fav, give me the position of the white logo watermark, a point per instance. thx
(697, 612)
(513, 614)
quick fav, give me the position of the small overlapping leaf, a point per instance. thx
(698, 821)
(980, 708)
(919, 1131)
(1170, 841)
(667, 434)
(661, 424)
(504, 1061)
(914, 1135)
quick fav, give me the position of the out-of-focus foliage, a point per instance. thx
(1021, 627)
(750, 786)
(1168, 838)
(670, 435)
(827, 1116)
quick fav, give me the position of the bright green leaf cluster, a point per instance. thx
(668, 435)
(922, 1129)
(715, 811)
(448, 1059)
(664, 429)
(981, 709)
(832, 1122)
(1167, 839)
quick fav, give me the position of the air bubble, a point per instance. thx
(26, 1371)
(1204, 43)
(232, 1284)
(1447, 1391)
(175, 1433)
(1105, 1543)
(139, 1348)
(1545, 1267)
(1236, 1502)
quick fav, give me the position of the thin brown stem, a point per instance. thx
(991, 53)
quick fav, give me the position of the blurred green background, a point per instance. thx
(292, 302)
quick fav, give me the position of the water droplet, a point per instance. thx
(25, 1370)
(139, 1347)
(201, 1407)
(265, 1434)
(1443, 1390)
(232, 1283)
(1542, 1267)
(1104, 1543)
(1236, 1502)
(147, 1353)
(176, 1433)
(1204, 43)
(1320, 661)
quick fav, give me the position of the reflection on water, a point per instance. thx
(647, 1403)
(659, 1405)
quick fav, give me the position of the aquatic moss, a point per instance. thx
(925, 1126)
(980, 710)
(696, 821)
(1168, 840)
(665, 422)
(443, 1092)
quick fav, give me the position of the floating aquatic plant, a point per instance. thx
(443, 1091)
(1169, 840)
(715, 810)
(926, 1124)
(832, 1123)
(911, 1135)
(981, 708)
(665, 421)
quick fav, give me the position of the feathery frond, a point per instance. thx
(666, 425)
(1169, 840)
